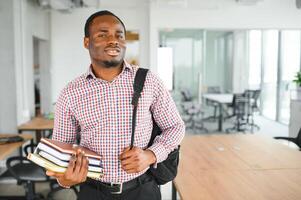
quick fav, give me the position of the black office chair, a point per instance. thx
(253, 97)
(239, 106)
(27, 174)
(54, 186)
(213, 90)
(296, 140)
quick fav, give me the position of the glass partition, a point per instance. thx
(204, 58)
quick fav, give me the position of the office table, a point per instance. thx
(221, 99)
(7, 149)
(230, 167)
(38, 125)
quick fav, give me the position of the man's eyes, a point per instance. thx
(120, 36)
(105, 35)
(102, 35)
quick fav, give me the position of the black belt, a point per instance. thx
(118, 188)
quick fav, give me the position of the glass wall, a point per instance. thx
(290, 65)
(255, 59)
(187, 50)
(268, 61)
(274, 59)
(270, 73)
(200, 59)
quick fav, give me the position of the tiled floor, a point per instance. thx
(267, 127)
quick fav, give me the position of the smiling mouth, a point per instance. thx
(113, 51)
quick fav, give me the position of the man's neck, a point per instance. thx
(105, 73)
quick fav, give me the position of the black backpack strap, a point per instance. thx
(138, 87)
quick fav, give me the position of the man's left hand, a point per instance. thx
(136, 159)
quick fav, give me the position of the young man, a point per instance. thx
(97, 105)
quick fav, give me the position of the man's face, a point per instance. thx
(106, 42)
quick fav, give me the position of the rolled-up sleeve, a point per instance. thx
(167, 117)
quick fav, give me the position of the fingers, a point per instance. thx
(76, 172)
(71, 166)
(129, 152)
(81, 166)
(84, 171)
(133, 160)
(125, 153)
(79, 161)
(131, 165)
(54, 174)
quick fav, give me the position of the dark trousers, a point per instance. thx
(147, 190)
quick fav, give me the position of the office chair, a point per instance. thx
(192, 113)
(213, 90)
(296, 140)
(239, 106)
(27, 174)
(253, 97)
(54, 186)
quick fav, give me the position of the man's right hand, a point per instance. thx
(76, 172)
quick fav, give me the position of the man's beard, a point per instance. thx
(112, 63)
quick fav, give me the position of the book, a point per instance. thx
(39, 160)
(55, 156)
(68, 148)
(63, 163)
(64, 156)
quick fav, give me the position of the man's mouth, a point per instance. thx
(112, 51)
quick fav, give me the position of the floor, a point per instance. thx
(267, 127)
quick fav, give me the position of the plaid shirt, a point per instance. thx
(101, 112)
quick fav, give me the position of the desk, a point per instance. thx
(37, 124)
(7, 149)
(220, 99)
(230, 167)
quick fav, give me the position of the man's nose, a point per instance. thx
(112, 40)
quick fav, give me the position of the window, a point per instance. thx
(290, 65)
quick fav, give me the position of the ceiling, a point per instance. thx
(194, 4)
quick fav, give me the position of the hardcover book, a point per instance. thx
(55, 155)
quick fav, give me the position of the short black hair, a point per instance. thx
(97, 14)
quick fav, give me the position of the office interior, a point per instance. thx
(250, 49)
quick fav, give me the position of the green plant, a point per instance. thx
(297, 79)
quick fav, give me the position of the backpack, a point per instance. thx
(166, 170)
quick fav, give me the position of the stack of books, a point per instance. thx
(55, 156)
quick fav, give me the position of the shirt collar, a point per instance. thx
(90, 74)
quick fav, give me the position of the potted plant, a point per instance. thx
(297, 80)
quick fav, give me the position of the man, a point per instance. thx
(97, 105)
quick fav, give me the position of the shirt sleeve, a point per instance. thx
(65, 124)
(167, 117)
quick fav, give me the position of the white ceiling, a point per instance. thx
(196, 4)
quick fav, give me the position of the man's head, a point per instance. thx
(105, 39)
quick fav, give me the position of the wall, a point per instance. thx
(69, 58)
(20, 21)
(7, 70)
(29, 21)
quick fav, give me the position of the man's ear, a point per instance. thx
(86, 42)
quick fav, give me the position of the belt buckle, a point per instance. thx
(120, 187)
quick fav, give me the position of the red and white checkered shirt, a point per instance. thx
(101, 112)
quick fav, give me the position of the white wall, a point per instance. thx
(20, 21)
(69, 58)
(29, 21)
(7, 70)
